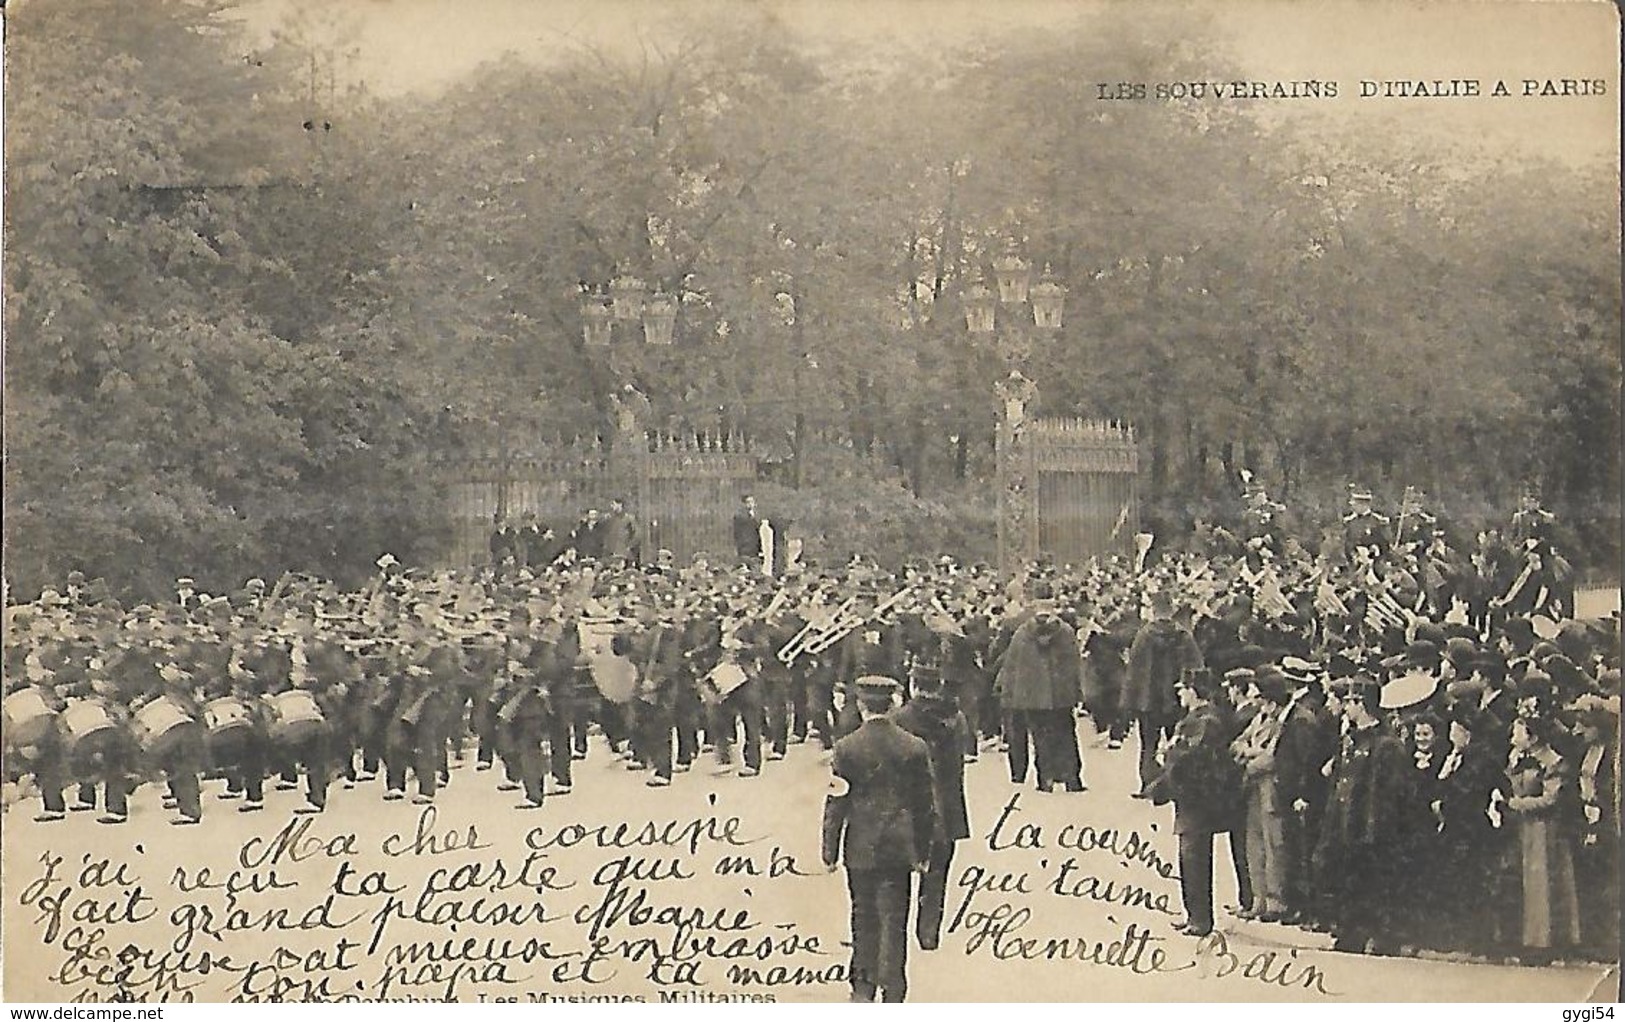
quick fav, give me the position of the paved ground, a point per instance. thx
(301, 922)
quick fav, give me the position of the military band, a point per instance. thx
(1399, 697)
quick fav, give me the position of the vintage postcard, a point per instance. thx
(550, 501)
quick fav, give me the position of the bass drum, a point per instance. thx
(596, 636)
(162, 725)
(231, 723)
(615, 677)
(29, 718)
(89, 732)
(295, 717)
(227, 715)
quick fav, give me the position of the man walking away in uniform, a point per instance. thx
(935, 718)
(878, 820)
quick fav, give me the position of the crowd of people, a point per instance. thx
(1408, 745)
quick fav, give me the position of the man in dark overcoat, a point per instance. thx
(1197, 777)
(1161, 653)
(934, 717)
(1360, 856)
(879, 819)
(1038, 683)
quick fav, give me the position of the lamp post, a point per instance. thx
(1018, 309)
(626, 308)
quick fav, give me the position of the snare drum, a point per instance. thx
(726, 677)
(88, 727)
(295, 716)
(162, 725)
(230, 724)
(28, 718)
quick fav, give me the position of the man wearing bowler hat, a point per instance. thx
(879, 820)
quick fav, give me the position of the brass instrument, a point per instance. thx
(1518, 584)
(851, 623)
(1142, 549)
(812, 629)
(1383, 611)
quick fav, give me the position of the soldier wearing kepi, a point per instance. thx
(934, 717)
(1362, 526)
(521, 718)
(879, 819)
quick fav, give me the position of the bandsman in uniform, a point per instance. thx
(879, 821)
(520, 722)
(870, 649)
(933, 716)
(154, 674)
(418, 732)
(659, 658)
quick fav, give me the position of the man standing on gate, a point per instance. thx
(619, 540)
(879, 820)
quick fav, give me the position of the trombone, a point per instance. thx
(813, 629)
(841, 627)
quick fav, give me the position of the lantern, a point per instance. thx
(595, 321)
(1048, 298)
(659, 316)
(978, 302)
(627, 291)
(1013, 274)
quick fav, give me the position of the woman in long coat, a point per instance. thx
(1542, 785)
(1471, 846)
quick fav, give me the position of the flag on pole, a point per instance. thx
(1122, 520)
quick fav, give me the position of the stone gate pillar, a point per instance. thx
(1016, 479)
(629, 458)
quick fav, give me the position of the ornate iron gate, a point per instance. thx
(1067, 487)
(681, 489)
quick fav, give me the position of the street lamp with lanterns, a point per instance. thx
(978, 302)
(626, 294)
(625, 309)
(597, 320)
(1018, 308)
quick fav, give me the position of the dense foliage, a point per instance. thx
(246, 308)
